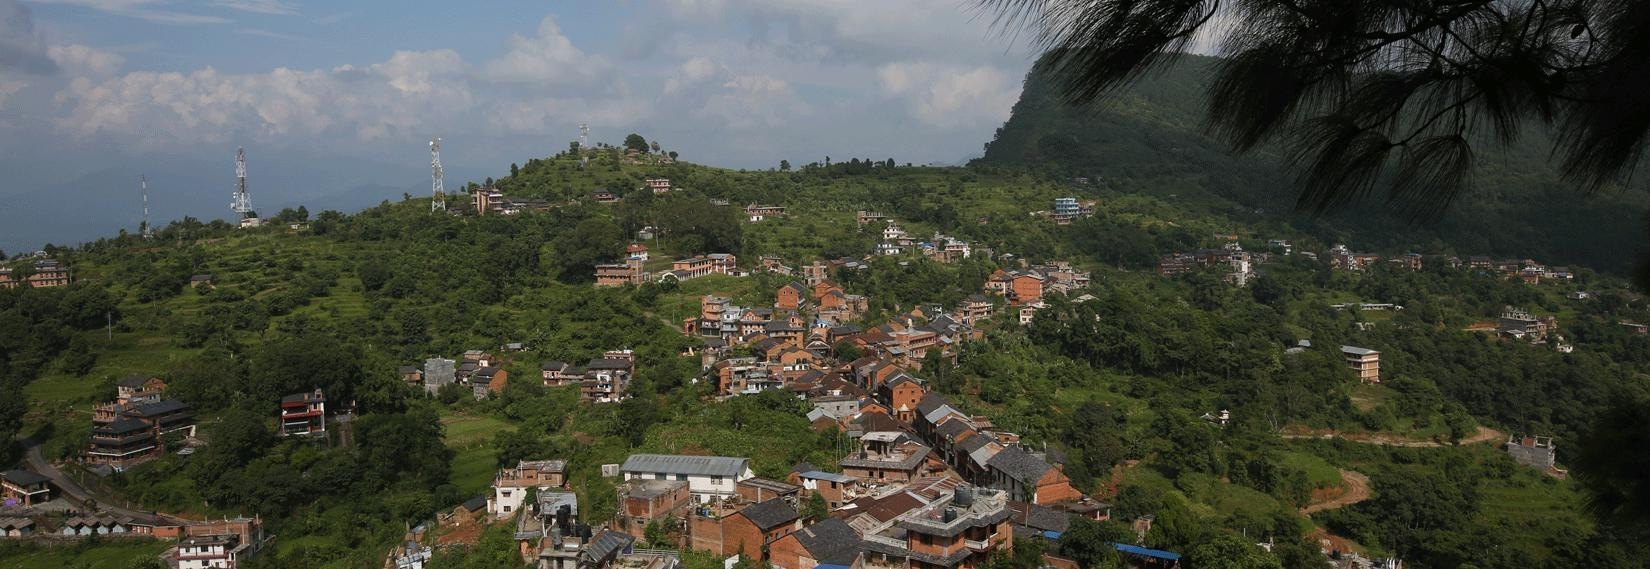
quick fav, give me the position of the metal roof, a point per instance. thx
(688, 465)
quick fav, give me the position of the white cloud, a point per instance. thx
(396, 98)
(148, 10)
(82, 60)
(949, 95)
(548, 58)
(271, 7)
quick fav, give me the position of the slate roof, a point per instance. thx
(608, 544)
(161, 407)
(1040, 518)
(608, 363)
(1019, 465)
(300, 398)
(475, 504)
(953, 428)
(1357, 351)
(122, 426)
(770, 514)
(830, 542)
(552, 366)
(23, 477)
(688, 465)
(132, 380)
(929, 403)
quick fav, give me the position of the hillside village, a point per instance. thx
(910, 477)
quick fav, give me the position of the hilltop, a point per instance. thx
(1148, 139)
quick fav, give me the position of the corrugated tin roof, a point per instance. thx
(688, 465)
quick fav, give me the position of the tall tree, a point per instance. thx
(1362, 89)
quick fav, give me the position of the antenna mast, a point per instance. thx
(242, 206)
(438, 199)
(584, 134)
(143, 181)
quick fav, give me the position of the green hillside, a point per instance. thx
(1148, 139)
(1118, 382)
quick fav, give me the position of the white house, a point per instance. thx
(708, 477)
(208, 552)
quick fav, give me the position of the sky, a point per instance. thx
(332, 97)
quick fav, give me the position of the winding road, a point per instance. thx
(1357, 490)
(73, 490)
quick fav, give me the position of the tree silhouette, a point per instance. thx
(1371, 93)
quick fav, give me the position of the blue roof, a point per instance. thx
(1146, 552)
(1051, 534)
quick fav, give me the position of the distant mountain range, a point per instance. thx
(1149, 138)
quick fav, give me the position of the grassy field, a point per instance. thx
(108, 554)
(475, 462)
(1318, 471)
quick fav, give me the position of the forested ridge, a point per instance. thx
(1149, 139)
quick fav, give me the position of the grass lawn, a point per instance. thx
(129, 352)
(108, 554)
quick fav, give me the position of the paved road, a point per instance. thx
(37, 462)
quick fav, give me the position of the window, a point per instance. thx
(505, 493)
(506, 508)
(658, 476)
(682, 477)
(716, 480)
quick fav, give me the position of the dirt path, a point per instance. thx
(1357, 490)
(1484, 435)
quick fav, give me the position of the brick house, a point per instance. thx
(643, 502)
(137, 388)
(747, 531)
(831, 542)
(762, 489)
(1026, 476)
(902, 393)
(886, 457)
(962, 529)
(510, 484)
(790, 296)
(836, 489)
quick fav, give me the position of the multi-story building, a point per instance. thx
(708, 477)
(510, 484)
(960, 530)
(758, 212)
(622, 274)
(126, 434)
(212, 551)
(304, 414)
(46, 273)
(137, 389)
(1364, 361)
(607, 379)
(643, 501)
(886, 457)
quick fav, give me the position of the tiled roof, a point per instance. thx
(688, 465)
(770, 514)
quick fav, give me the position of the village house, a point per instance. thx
(886, 457)
(126, 434)
(411, 374)
(304, 414)
(790, 296)
(489, 381)
(16, 527)
(137, 388)
(1364, 361)
(604, 196)
(864, 217)
(24, 488)
(836, 489)
(1535, 452)
(643, 502)
(758, 489)
(623, 274)
(44, 273)
(708, 477)
(1023, 474)
(757, 212)
(218, 544)
(1520, 324)
(902, 394)
(703, 265)
(607, 378)
(1342, 258)
(730, 529)
(829, 543)
(510, 484)
(1237, 263)
(200, 280)
(960, 530)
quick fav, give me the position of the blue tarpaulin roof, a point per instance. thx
(1146, 552)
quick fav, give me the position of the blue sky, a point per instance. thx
(329, 97)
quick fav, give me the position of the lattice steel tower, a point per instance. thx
(145, 230)
(438, 194)
(242, 205)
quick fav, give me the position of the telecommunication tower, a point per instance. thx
(438, 199)
(584, 135)
(145, 230)
(242, 206)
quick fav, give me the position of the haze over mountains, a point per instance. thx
(1149, 139)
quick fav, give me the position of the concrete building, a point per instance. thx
(708, 477)
(304, 414)
(1364, 361)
